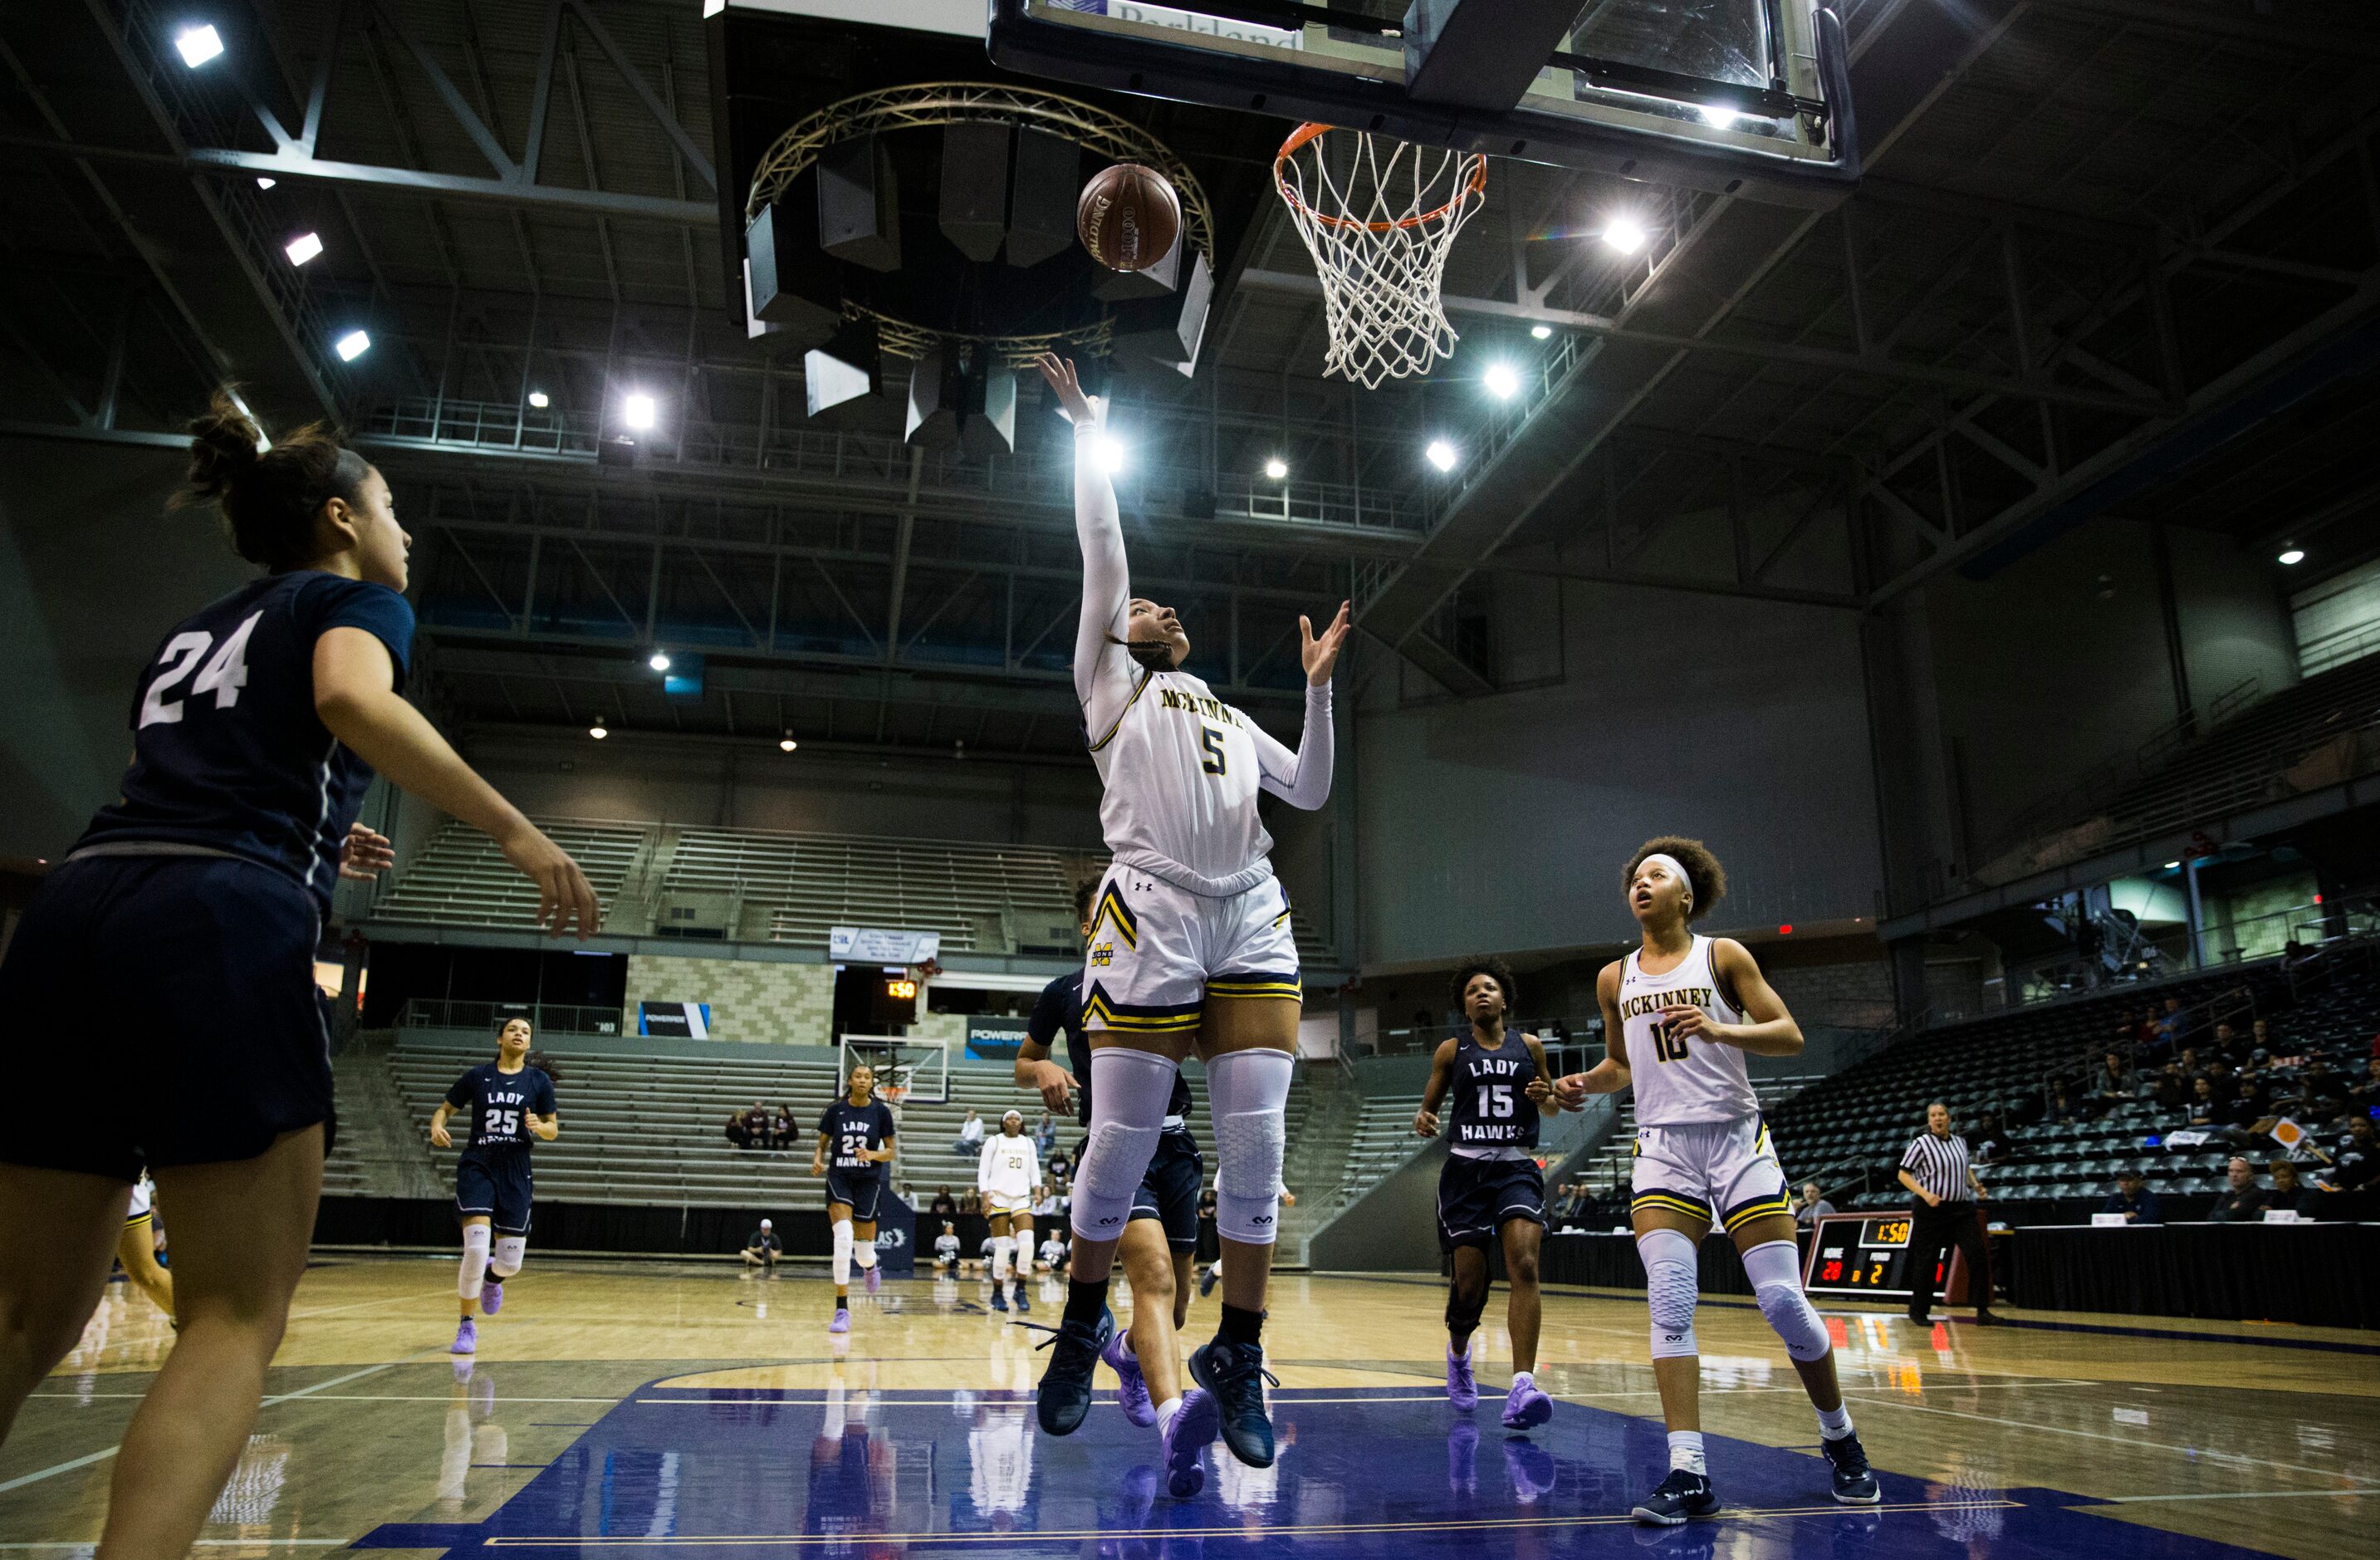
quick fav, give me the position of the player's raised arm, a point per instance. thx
(1441, 1071)
(1103, 671)
(1303, 778)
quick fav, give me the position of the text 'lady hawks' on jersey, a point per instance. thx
(500, 1104)
(1490, 1101)
(851, 1132)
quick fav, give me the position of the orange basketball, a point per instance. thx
(1129, 217)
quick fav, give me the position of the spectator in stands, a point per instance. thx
(2171, 1089)
(2173, 1027)
(2290, 1194)
(787, 1130)
(2297, 952)
(1061, 1167)
(944, 1206)
(970, 1201)
(2118, 1084)
(2229, 1045)
(2241, 1200)
(761, 1249)
(2142, 1031)
(2364, 1096)
(1045, 1135)
(2191, 1062)
(2321, 1095)
(763, 1124)
(2261, 1034)
(1989, 1142)
(738, 1132)
(2133, 1199)
(2246, 1107)
(970, 1135)
(1811, 1206)
(2062, 1105)
(2355, 1163)
(2205, 1108)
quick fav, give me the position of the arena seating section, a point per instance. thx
(772, 886)
(1848, 1132)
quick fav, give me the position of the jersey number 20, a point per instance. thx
(223, 675)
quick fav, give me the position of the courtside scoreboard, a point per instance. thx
(1853, 1254)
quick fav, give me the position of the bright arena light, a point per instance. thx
(658, 660)
(1440, 454)
(198, 45)
(303, 248)
(540, 399)
(1624, 233)
(599, 730)
(2293, 555)
(1276, 467)
(1540, 333)
(353, 345)
(1502, 382)
(640, 411)
(1110, 456)
(786, 743)
(1717, 117)
(263, 183)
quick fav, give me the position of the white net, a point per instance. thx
(1379, 216)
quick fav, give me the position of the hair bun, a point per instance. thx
(223, 445)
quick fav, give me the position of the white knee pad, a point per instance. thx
(507, 1258)
(1003, 1252)
(475, 1262)
(841, 1253)
(863, 1250)
(1245, 1091)
(1775, 1269)
(1672, 1290)
(1129, 1093)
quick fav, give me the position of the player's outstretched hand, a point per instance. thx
(1424, 1124)
(1321, 656)
(565, 898)
(1539, 1091)
(1057, 1085)
(437, 1135)
(365, 854)
(1571, 1091)
(1059, 373)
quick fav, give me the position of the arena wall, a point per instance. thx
(752, 1001)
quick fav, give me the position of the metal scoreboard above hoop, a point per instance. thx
(1748, 97)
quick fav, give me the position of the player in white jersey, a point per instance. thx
(1678, 1015)
(1008, 1175)
(1190, 946)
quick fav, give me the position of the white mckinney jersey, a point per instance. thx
(1681, 1079)
(1181, 768)
(1009, 1169)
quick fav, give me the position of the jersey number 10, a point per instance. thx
(223, 675)
(1669, 1045)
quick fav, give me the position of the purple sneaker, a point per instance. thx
(492, 1298)
(1460, 1390)
(842, 1322)
(467, 1338)
(1526, 1408)
(875, 1277)
(1195, 1426)
(1132, 1388)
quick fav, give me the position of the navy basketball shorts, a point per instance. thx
(1168, 1191)
(858, 1189)
(1477, 1196)
(173, 998)
(494, 1185)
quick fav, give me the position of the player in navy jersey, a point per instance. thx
(184, 927)
(855, 1142)
(1495, 1086)
(507, 1102)
(1160, 1236)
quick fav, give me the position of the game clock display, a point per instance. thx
(1860, 1254)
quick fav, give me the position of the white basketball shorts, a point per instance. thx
(1722, 1172)
(1156, 953)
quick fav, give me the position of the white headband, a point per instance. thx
(1675, 866)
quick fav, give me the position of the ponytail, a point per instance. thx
(268, 498)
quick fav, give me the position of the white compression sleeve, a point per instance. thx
(1302, 778)
(1129, 1093)
(1672, 1290)
(1104, 673)
(506, 1261)
(474, 1273)
(842, 1253)
(1245, 1092)
(1775, 1269)
(1003, 1254)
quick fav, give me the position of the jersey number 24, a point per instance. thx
(223, 675)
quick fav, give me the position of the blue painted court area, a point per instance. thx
(1387, 1471)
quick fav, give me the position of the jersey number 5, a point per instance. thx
(1211, 738)
(223, 675)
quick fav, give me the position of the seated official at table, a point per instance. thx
(2289, 1193)
(2133, 1199)
(2241, 1200)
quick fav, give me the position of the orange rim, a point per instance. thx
(1475, 185)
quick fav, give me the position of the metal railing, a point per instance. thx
(545, 1018)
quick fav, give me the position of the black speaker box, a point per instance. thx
(1041, 197)
(794, 285)
(859, 204)
(973, 208)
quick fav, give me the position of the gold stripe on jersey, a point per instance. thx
(1113, 1015)
(1674, 1202)
(1113, 908)
(1760, 1210)
(1137, 690)
(1256, 986)
(1285, 906)
(133, 1221)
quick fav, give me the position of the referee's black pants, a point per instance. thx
(1932, 1229)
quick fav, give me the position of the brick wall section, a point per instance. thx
(1854, 994)
(751, 1000)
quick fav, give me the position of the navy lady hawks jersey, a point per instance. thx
(1059, 1010)
(851, 1130)
(499, 1104)
(1491, 1108)
(228, 756)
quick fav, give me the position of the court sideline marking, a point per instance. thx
(2358, 1483)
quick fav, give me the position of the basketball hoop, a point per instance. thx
(1379, 216)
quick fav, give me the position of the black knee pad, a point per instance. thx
(1463, 1308)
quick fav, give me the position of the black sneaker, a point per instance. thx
(1206, 1282)
(1854, 1482)
(1234, 1375)
(1676, 1498)
(1065, 1394)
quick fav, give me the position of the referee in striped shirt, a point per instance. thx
(1936, 1171)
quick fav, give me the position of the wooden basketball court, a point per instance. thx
(619, 1406)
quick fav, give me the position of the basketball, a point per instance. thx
(1129, 217)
